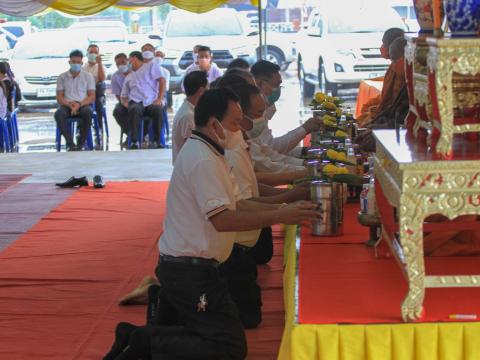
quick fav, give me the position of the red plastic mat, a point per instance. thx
(59, 283)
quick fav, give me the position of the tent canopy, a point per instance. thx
(89, 7)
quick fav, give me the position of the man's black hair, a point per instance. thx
(120, 55)
(76, 53)
(148, 44)
(136, 54)
(194, 81)
(238, 63)
(230, 80)
(204, 48)
(92, 45)
(264, 69)
(245, 93)
(213, 103)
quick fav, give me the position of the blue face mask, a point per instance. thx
(75, 67)
(274, 96)
(124, 68)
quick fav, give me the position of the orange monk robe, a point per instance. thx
(393, 83)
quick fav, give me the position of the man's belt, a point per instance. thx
(189, 260)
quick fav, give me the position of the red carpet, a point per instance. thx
(59, 283)
(8, 180)
(345, 283)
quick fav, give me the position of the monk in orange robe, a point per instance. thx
(393, 81)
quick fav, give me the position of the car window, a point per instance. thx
(402, 11)
(33, 47)
(15, 30)
(204, 25)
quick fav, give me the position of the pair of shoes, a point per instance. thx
(98, 182)
(73, 181)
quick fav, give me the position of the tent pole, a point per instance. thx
(265, 28)
(260, 30)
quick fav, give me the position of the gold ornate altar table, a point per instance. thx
(418, 186)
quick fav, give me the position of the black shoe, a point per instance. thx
(74, 148)
(134, 145)
(98, 182)
(122, 336)
(73, 181)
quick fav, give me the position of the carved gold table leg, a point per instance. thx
(411, 219)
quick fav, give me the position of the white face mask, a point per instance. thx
(124, 68)
(159, 60)
(229, 138)
(259, 125)
(92, 58)
(148, 55)
(195, 57)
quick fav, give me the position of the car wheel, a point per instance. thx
(276, 57)
(307, 89)
(325, 85)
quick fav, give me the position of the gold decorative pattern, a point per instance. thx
(445, 57)
(419, 189)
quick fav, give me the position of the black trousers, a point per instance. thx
(136, 111)
(240, 271)
(262, 252)
(120, 113)
(84, 123)
(214, 332)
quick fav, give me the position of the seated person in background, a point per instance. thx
(194, 64)
(195, 84)
(159, 57)
(268, 79)
(3, 102)
(120, 112)
(75, 94)
(205, 63)
(390, 83)
(95, 67)
(394, 115)
(11, 86)
(240, 64)
(148, 53)
(141, 96)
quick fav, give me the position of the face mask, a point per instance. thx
(75, 67)
(92, 58)
(232, 139)
(124, 68)
(259, 125)
(148, 55)
(159, 60)
(195, 57)
(274, 96)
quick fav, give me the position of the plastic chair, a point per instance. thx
(72, 122)
(96, 123)
(12, 124)
(140, 134)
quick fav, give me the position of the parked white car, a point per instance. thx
(37, 66)
(341, 44)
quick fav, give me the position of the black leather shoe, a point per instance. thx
(98, 182)
(73, 181)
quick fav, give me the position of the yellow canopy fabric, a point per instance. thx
(90, 7)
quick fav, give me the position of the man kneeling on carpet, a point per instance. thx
(203, 214)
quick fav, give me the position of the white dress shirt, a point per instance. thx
(266, 159)
(201, 187)
(75, 88)
(142, 85)
(183, 124)
(240, 161)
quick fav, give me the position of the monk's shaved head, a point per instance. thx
(390, 35)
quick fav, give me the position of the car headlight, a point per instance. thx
(173, 53)
(346, 52)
